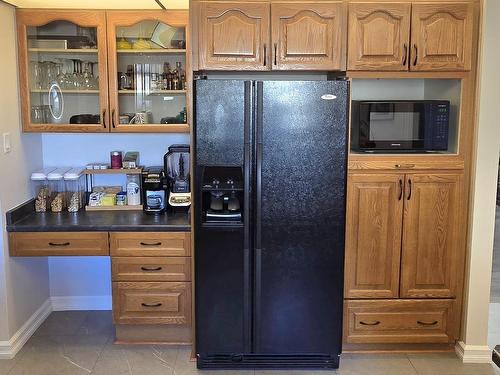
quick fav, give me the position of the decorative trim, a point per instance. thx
(9, 348)
(473, 353)
(65, 303)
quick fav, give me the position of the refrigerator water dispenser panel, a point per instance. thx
(222, 197)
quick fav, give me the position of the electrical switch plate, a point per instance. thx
(7, 147)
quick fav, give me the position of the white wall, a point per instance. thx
(24, 283)
(73, 278)
(485, 172)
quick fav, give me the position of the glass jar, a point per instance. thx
(75, 189)
(57, 189)
(41, 189)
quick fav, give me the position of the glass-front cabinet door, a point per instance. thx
(63, 71)
(149, 77)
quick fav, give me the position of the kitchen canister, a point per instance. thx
(133, 190)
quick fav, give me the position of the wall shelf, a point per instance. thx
(65, 91)
(154, 92)
(113, 171)
(152, 50)
(60, 50)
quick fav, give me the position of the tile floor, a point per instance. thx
(81, 343)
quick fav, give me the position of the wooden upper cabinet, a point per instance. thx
(373, 235)
(142, 45)
(432, 255)
(441, 36)
(63, 70)
(234, 36)
(307, 36)
(379, 36)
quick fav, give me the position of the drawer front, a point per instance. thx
(399, 321)
(151, 268)
(58, 243)
(152, 303)
(150, 244)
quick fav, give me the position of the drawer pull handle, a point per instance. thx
(375, 323)
(151, 244)
(427, 324)
(151, 305)
(147, 269)
(403, 166)
(59, 244)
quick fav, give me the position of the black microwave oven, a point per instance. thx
(400, 125)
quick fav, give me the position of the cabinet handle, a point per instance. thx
(375, 323)
(409, 193)
(405, 54)
(151, 305)
(104, 118)
(147, 269)
(400, 189)
(404, 166)
(426, 323)
(265, 54)
(113, 118)
(416, 55)
(59, 244)
(150, 244)
(275, 53)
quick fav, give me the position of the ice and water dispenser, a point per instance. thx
(222, 195)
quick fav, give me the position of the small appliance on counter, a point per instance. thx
(153, 186)
(176, 162)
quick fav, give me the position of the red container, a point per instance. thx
(116, 160)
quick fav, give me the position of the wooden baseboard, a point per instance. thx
(152, 334)
(397, 348)
(473, 353)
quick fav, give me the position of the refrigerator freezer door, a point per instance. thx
(219, 117)
(222, 250)
(301, 132)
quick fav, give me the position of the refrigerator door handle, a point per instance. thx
(258, 213)
(247, 159)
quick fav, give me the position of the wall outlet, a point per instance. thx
(7, 146)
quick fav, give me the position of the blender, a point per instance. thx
(176, 163)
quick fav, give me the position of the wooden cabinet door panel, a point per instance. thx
(373, 235)
(234, 36)
(379, 36)
(441, 36)
(32, 24)
(433, 251)
(307, 36)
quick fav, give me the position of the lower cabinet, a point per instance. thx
(400, 321)
(405, 239)
(152, 303)
(31, 244)
(151, 274)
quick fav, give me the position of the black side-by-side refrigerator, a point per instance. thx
(270, 184)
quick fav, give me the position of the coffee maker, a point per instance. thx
(176, 163)
(154, 190)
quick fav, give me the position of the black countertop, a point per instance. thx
(24, 219)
